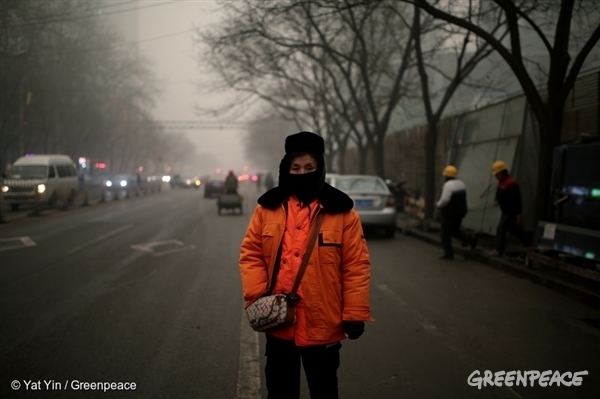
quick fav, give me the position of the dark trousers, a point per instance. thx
(283, 369)
(508, 224)
(451, 228)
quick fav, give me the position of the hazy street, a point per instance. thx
(147, 291)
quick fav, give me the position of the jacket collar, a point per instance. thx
(332, 199)
(506, 182)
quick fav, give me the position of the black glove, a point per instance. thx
(354, 329)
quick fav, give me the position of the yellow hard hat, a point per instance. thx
(450, 171)
(498, 167)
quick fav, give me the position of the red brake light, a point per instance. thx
(391, 201)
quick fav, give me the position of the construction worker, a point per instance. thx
(453, 208)
(508, 198)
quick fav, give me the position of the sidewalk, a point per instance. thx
(514, 261)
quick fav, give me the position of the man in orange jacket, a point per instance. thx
(334, 291)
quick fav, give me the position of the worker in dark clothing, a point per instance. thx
(231, 183)
(453, 208)
(508, 198)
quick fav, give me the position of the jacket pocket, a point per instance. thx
(270, 240)
(330, 247)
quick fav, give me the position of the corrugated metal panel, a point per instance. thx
(582, 108)
(405, 152)
(585, 92)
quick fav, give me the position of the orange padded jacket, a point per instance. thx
(335, 286)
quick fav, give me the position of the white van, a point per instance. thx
(44, 179)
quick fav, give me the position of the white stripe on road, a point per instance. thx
(98, 239)
(248, 382)
(426, 324)
(23, 242)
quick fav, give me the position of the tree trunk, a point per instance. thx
(342, 160)
(430, 178)
(550, 133)
(362, 159)
(378, 149)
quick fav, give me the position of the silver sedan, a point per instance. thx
(373, 200)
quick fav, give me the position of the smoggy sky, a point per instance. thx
(176, 68)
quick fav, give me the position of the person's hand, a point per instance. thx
(519, 221)
(354, 329)
(496, 203)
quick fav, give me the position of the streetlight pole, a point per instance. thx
(20, 55)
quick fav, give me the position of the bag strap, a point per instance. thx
(273, 278)
(311, 243)
(276, 265)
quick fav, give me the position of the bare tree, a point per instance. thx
(354, 45)
(552, 22)
(67, 87)
(458, 48)
(264, 139)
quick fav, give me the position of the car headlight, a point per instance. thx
(41, 188)
(4, 189)
(123, 183)
(108, 184)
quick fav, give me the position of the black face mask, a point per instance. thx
(305, 186)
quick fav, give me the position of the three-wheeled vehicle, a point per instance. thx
(229, 201)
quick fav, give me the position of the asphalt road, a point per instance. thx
(147, 291)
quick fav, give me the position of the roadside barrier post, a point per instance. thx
(36, 205)
(86, 200)
(2, 210)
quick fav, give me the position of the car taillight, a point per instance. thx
(391, 201)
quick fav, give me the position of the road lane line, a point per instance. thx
(24, 242)
(248, 382)
(426, 324)
(516, 394)
(170, 251)
(149, 247)
(98, 239)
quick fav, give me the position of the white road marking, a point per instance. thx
(150, 247)
(170, 251)
(248, 382)
(23, 242)
(516, 394)
(426, 324)
(98, 239)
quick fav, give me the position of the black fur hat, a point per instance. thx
(301, 143)
(305, 142)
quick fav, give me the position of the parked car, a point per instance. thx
(373, 200)
(184, 181)
(41, 179)
(213, 186)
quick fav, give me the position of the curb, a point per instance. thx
(587, 295)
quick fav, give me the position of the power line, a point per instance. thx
(88, 16)
(116, 45)
(200, 122)
(42, 17)
(200, 125)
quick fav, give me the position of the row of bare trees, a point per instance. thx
(70, 86)
(347, 68)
